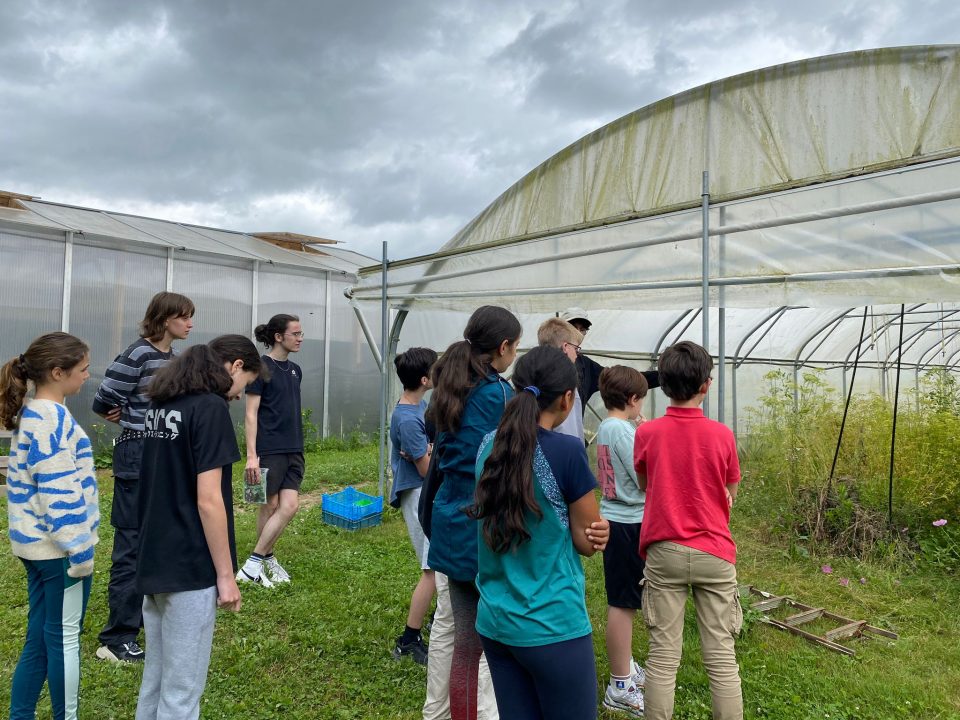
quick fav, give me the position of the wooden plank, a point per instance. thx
(770, 603)
(844, 631)
(881, 631)
(810, 636)
(804, 617)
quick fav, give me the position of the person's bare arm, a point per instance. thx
(422, 464)
(590, 532)
(252, 470)
(732, 493)
(213, 517)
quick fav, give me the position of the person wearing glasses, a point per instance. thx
(274, 432)
(554, 332)
(588, 369)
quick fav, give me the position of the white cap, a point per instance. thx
(575, 313)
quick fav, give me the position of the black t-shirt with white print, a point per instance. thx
(185, 436)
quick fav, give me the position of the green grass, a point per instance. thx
(321, 647)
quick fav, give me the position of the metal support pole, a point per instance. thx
(705, 272)
(916, 384)
(169, 286)
(384, 324)
(796, 388)
(326, 358)
(733, 387)
(255, 296)
(67, 281)
(368, 334)
(722, 327)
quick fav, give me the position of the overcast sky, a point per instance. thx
(367, 120)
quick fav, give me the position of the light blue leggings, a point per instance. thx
(51, 651)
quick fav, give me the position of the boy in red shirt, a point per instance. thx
(688, 466)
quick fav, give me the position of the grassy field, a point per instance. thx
(320, 648)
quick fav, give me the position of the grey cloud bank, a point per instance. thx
(366, 121)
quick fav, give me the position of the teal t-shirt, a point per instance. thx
(534, 594)
(623, 500)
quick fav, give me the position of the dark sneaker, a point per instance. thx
(416, 650)
(128, 652)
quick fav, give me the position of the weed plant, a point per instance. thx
(789, 450)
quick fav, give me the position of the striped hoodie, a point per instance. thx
(52, 503)
(125, 383)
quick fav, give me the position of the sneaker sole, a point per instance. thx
(243, 577)
(105, 653)
(622, 708)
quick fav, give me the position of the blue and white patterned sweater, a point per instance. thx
(52, 502)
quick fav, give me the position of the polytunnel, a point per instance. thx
(92, 272)
(772, 216)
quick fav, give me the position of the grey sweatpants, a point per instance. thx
(179, 632)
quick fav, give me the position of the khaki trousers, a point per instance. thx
(437, 705)
(670, 570)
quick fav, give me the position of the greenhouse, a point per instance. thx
(801, 216)
(92, 273)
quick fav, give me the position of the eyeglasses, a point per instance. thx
(298, 335)
(577, 347)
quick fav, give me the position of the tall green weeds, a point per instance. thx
(789, 450)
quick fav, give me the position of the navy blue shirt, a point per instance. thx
(408, 434)
(279, 422)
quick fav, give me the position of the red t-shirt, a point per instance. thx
(689, 460)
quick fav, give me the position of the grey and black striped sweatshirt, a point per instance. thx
(125, 383)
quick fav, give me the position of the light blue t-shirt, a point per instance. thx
(409, 435)
(534, 594)
(623, 500)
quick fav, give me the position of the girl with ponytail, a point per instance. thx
(468, 398)
(188, 556)
(537, 509)
(54, 515)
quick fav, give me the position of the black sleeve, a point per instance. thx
(212, 438)
(652, 377)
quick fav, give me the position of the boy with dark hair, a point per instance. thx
(689, 468)
(622, 389)
(409, 458)
(122, 398)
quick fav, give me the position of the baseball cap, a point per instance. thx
(575, 313)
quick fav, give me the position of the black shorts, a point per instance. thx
(623, 566)
(285, 471)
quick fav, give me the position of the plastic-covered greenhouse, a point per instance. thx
(775, 205)
(92, 273)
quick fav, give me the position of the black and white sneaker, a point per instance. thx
(129, 652)
(416, 650)
(259, 579)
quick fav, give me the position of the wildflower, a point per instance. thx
(939, 523)
(845, 582)
(826, 569)
(863, 581)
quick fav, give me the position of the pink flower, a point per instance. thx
(863, 581)
(939, 523)
(845, 582)
(826, 569)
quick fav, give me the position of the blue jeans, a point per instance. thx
(51, 651)
(544, 682)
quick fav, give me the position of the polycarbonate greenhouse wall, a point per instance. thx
(783, 201)
(93, 273)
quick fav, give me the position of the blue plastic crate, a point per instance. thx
(351, 509)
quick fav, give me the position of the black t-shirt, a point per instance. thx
(185, 437)
(279, 422)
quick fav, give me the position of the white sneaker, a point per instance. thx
(638, 675)
(259, 579)
(275, 570)
(628, 700)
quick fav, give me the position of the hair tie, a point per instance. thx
(467, 341)
(533, 390)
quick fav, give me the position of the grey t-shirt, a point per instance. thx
(622, 500)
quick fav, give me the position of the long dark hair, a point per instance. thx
(504, 492)
(467, 361)
(53, 350)
(199, 369)
(267, 334)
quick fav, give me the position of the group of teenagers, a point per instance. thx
(498, 541)
(499, 499)
(174, 559)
